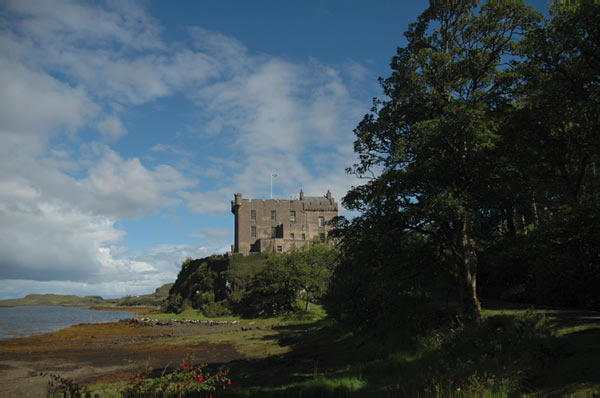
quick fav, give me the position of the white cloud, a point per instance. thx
(111, 128)
(64, 22)
(45, 240)
(134, 275)
(34, 102)
(296, 120)
(67, 67)
(126, 188)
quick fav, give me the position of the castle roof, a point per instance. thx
(316, 200)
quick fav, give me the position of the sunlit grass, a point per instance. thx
(303, 355)
(316, 313)
(255, 343)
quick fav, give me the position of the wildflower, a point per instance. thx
(229, 382)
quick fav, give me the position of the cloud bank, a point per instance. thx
(73, 73)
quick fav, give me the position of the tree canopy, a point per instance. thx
(484, 148)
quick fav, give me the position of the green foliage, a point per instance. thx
(433, 141)
(199, 283)
(188, 380)
(388, 280)
(552, 256)
(288, 277)
(172, 304)
(503, 353)
(216, 309)
(63, 386)
(254, 285)
(556, 264)
(482, 165)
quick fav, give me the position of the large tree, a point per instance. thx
(430, 146)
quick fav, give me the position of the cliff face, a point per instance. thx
(213, 284)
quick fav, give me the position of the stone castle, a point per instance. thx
(278, 224)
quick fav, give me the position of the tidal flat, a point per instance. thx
(105, 353)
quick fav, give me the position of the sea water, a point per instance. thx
(35, 320)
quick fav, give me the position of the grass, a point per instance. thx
(316, 313)
(305, 355)
(257, 343)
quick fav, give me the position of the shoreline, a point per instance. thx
(43, 329)
(141, 310)
(104, 353)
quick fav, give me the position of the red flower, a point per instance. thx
(229, 382)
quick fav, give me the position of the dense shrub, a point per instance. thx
(255, 285)
(502, 353)
(556, 264)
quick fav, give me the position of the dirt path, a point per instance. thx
(92, 353)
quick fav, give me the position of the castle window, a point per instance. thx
(252, 215)
(279, 249)
(292, 236)
(292, 215)
(253, 232)
(303, 236)
(273, 232)
(273, 215)
(322, 237)
(321, 221)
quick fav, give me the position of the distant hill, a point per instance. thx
(54, 299)
(153, 299)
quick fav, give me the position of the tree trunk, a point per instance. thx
(307, 307)
(510, 222)
(467, 279)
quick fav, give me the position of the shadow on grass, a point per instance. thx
(325, 360)
(318, 350)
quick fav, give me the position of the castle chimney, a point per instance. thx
(328, 196)
(301, 195)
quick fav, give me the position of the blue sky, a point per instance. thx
(126, 127)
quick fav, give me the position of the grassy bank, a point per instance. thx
(512, 351)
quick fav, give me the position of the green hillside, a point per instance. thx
(54, 299)
(152, 299)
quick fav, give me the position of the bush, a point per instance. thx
(173, 303)
(189, 380)
(216, 309)
(503, 353)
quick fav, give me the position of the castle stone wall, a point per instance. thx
(278, 224)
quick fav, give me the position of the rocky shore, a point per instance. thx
(107, 352)
(170, 322)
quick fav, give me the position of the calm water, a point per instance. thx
(29, 321)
